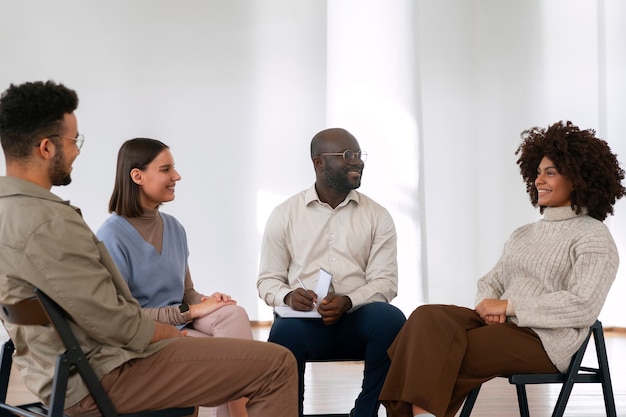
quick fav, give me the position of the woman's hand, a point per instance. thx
(492, 311)
(210, 304)
(220, 297)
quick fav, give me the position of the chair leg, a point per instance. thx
(6, 359)
(522, 400)
(468, 405)
(603, 370)
(59, 387)
(561, 402)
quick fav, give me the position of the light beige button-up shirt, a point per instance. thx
(355, 242)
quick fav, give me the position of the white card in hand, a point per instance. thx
(323, 283)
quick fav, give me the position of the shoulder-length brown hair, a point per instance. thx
(134, 153)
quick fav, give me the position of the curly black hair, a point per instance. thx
(582, 158)
(31, 111)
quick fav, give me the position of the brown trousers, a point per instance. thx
(444, 351)
(206, 371)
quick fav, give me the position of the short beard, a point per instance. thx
(339, 181)
(58, 175)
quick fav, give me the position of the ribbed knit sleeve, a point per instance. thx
(557, 273)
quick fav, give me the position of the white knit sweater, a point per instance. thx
(557, 273)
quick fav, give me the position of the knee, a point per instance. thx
(425, 312)
(238, 314)
(388, 317)
(287, 362)
(282, 356)
(395, 316)
(286, 332)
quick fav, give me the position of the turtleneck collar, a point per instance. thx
(149, 214)
(150, 227)
(554, 214)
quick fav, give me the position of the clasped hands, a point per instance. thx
(492, 310)
(207, 305)
(331, 307)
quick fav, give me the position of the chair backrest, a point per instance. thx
(26, 312)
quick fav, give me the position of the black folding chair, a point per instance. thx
(576, 373)
(41, 310)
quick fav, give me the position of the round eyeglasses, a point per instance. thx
(348, 155)
(78, 140)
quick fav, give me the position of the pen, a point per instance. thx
(304, 288)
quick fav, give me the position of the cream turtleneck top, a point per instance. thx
(557, 273)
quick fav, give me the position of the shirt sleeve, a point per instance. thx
(191, 296)
(273, 284)
(381, 273)
(490, 285)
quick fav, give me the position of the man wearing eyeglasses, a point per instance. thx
(45, 243)
(332, 228)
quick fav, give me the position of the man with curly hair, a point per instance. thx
(45, 243)
(534, 308)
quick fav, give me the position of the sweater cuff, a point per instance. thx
(510, 308)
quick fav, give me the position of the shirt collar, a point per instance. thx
(310, 196)
(12, 186)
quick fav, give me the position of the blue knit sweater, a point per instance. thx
(155, 279)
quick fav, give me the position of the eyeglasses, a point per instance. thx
(79, 140)
(348, 155)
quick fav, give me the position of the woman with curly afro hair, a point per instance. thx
(580, 157)
(535, 306)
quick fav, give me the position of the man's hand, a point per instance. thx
(333, 306)
(165, 331)
(301, 299)
(492, 311)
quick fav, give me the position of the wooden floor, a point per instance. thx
(332, 387)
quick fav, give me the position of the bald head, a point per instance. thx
(324, 140)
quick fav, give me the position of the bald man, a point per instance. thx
(333, 227)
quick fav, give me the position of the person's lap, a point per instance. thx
(205, 371)
(476, 352)
(311, 339)
(364, 334)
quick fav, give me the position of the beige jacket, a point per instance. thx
(45, 243)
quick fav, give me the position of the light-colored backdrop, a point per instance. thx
(437, 91)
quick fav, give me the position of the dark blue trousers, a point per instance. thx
(364, 334)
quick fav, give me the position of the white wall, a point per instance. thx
(491, 69)
(238, 87)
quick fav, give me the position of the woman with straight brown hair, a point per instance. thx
(150, 249)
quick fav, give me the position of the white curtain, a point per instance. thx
(373, 91)
(437, 91)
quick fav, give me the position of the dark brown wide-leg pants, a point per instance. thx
(444, 351)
